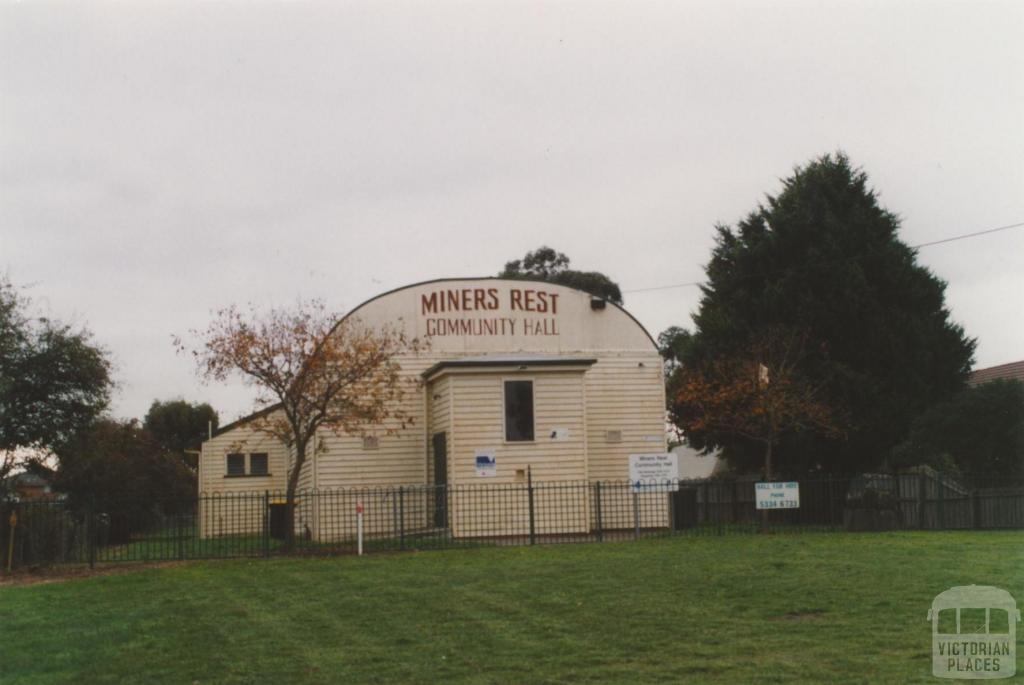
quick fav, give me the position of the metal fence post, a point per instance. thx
(529, 494)
(672, 496)
(922, 496)
(975, 509)
(636, 515)
(394, 514)
(401, 517)
(597, 511)
(829, 505)
(266, 523)
(942, 502)
(180, 529)
(707, 504)
(90, 528)
(735, 502)
(13, 523)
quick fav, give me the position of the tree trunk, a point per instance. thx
(767, 479)
(293, 484)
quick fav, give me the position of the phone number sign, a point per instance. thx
(777, 495)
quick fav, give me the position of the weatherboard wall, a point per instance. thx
(599, 413)
(229, 505)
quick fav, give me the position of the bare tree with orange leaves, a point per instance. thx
(313, 371)
(758, 393)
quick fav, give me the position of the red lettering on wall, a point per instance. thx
(483, 299)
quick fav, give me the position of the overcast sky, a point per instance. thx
(159, 161)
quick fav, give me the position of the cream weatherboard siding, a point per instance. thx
(625, 397)
(597, 381)
(398, 458)
(233, 505)
(478, 425)
(439, 399)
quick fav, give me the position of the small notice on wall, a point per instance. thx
(777, 495)
(486, 464)
(560, 434)
(654, 472)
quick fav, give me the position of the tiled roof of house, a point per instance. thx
(1011, 371)
(28, 479)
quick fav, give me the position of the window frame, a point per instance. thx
(266, 464)
(227, 464)
(246, 465)
(504, 409)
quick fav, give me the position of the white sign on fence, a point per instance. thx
(777, 495)
(654, 472)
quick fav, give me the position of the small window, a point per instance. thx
(519, 411)
(258, 464)
(236, 464)
(370, 442)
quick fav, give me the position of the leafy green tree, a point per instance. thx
(979, 430)
(824, 257)
(673, 343)
(546, 264)
(119, 468)
(54, 380)
(177, 426)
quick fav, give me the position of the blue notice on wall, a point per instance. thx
(486, 464)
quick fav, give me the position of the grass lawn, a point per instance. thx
(807, 608)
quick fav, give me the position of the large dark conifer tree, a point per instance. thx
(824, 257)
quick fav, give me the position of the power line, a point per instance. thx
(664, 287)
(969, 235)
(697, 284)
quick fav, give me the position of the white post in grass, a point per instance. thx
(359, 527)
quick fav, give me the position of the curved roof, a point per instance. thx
(491, 278)
(440, 281)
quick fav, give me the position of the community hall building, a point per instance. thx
(520, 380)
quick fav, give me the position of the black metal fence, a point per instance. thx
(420, 517)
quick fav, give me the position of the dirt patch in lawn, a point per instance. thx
(61, 574)
(808, 615)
